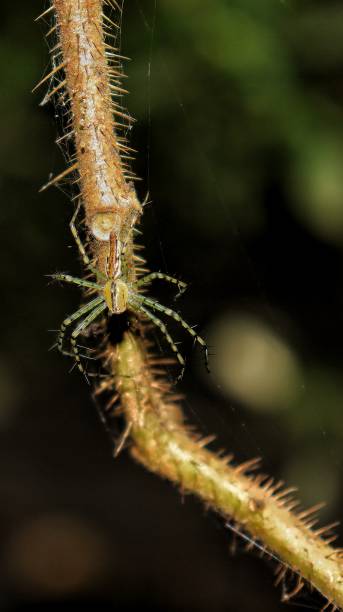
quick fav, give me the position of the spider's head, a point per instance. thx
(116, 294)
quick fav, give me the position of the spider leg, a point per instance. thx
(78, 241)
(79, 328)
(174, 315)
(66, 278)
(76, 315)
(164, 331)
(161, 276)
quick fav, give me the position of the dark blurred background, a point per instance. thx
(240, 137)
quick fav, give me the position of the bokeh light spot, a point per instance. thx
(318, 189)
(253, 363)
(55, 555)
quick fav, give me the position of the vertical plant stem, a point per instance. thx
(109, 199)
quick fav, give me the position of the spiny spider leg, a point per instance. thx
(79, 328)
(77, 238)
(161, 276)
(81, 355)
(66, 278)
(80, 246)
(76, 315)
(164, 331)
(174, 315)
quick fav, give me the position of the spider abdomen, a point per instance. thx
(116, 296)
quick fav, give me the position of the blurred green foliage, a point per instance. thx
(240, 144)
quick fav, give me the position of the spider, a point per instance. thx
(118, 291)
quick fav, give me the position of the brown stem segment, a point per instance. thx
(163, 444)
(109, 199)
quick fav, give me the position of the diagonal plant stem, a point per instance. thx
(160, 439)
(163, 444)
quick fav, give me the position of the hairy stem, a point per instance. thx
(163, 444)
(109, 200)
(160, 439)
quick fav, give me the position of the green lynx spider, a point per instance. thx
(118, 292)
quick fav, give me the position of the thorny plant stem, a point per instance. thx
(160, 439)
(109, 200)
(162, 443)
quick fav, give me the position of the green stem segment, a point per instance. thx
(164, 445)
